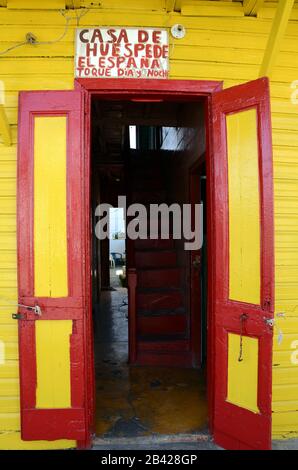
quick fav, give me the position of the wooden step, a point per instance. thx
(165, 299)
(150, 244)
(151, 259)
(159, 277)
(162, 326)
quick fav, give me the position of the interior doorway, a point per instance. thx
(146, 151)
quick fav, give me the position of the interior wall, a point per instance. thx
(186, 144)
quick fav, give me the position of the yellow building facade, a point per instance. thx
(225, 41)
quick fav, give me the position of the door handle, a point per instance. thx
(196, 262)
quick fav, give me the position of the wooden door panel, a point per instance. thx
(244, 265)
(50, 266)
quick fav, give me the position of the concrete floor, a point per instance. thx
(140, 401)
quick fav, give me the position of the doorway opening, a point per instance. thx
(150, 152)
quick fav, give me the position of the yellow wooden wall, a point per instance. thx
(228, 48)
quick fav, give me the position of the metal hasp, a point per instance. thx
(36, 309)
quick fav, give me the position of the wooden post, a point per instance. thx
(278, 29)
(132, 314)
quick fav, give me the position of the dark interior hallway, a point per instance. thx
(136, 400)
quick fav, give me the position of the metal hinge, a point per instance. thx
(272, 323)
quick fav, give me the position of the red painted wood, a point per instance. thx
(89, 390)
(162, 346)
(132, 325)
(211, 287)
(195, 270)
(161, 325)
(170, 299)
(159, 277)
(150, 259)
(169, 359)
(235, 427)
(35, 423)
(161, 90)
(150, 244)
(104, 89)
(54, 420)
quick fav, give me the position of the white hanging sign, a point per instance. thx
(109, 52)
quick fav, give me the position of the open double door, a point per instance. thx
(56, 369)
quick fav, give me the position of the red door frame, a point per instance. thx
(127, 89)
(195, 272)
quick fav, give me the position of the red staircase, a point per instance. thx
(158, 311)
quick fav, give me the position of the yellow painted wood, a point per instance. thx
(36, 4)
(244, 215)
(11, 440)
(243, 376)
(211, 8)
(53, 363)
(50, 238)
(229, 40)
(278, 29)
(9, 370)
(9, 387)
(4, 127)
(252, 7)
(74, 4)
(285, 424)
(9, 405)
(270, 8)
(170, 5)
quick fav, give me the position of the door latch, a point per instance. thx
(243, 318)
(196, 262)
(36, 309)
(19, 316)
(269, 321)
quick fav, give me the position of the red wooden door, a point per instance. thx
(243, 289)
(50, 266)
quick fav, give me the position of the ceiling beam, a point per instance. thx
(277, 32)
(4, 127)
(251, 7)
